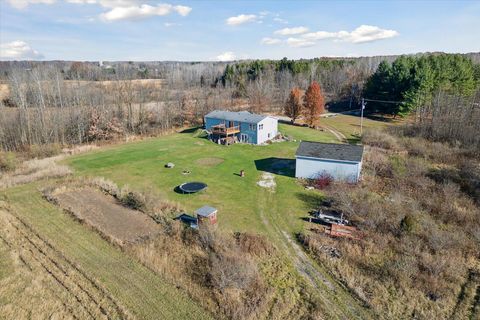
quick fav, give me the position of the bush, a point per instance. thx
(44, 150)
(380, 139)
(132, 199)
(322, 181)
(106, 186)
(409, 223)
(8, 161)
(254, 244)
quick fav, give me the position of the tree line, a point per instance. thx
(409, 82)
(70, 103)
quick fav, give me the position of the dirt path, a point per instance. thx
(337, 301)
(80, 295)
(340, 136)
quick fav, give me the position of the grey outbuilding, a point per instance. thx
(340, 161)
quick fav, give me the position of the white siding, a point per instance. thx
(269, 130)
(310, 168)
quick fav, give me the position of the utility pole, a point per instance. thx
(361, 116)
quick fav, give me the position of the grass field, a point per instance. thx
(134, 287)
(350, 125)
(240, 201)
(242, 204)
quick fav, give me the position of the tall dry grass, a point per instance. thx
(417, 210)
(40, 168)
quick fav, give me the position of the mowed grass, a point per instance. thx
(242, 204)
(143, 293)
(350, 125)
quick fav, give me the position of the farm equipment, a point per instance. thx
(330, 217)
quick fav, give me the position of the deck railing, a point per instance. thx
(222, 130)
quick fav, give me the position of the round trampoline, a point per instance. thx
(192, 187)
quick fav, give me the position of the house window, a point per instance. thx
(251, 127)
(269, 135)
(260, 127)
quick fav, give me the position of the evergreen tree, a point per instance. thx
(412, 81)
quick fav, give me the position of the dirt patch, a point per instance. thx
(209, 162)
(105, 214)
(267, 181)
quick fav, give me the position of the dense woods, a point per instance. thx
(77, 102)
(411, 82)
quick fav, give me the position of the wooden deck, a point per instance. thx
(222, 130)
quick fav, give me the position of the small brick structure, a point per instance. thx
(206, 214)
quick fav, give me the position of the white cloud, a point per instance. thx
(364, 33)
(299, 43)
(226, 56)
(241, 19)
(109, 3)
(143, 11)
(18, 50)
(319, 35)
(182, 10)
(119, 9)
(21, 4)
(280, 20)
(270, 41)
(291, 31)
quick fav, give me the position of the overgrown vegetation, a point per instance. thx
(421, 222)
(225, 273)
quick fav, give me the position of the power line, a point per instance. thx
(383, 101)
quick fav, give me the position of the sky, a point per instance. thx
(149, 30)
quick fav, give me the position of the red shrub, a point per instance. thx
(322, 180)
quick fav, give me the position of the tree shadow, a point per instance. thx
(279, 166)
(315, 220)
(190, 130)
(312, 201)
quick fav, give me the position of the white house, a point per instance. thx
(340, 161)
(242, 126)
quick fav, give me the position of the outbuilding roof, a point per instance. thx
(242, 116)
(205, 211)
(330, 151)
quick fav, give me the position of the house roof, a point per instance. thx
(205, 211)
(242, 116)
(331, 151)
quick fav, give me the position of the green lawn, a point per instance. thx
(242, 204)
(240, 201)
(144, 293)
(350, 125)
